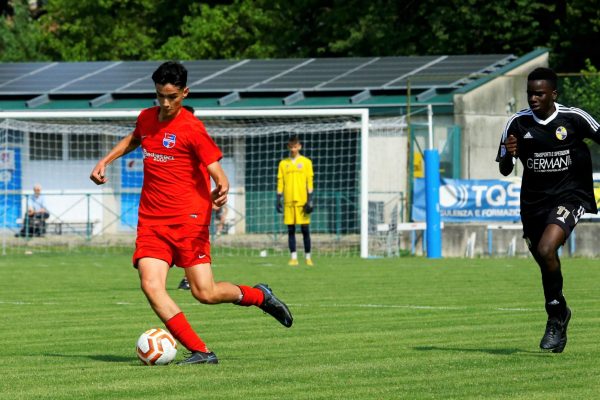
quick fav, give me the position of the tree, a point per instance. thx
(20, 38)
(575, 35)
(238, 30)
(90, 30)
(584, 92)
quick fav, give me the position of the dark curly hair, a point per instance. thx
(544, 74)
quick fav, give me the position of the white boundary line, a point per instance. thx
(382, 306)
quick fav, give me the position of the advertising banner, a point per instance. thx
(10, 185)
(463, 200)
(132, 177)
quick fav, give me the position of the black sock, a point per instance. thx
(292, 238)
(306, 238)
(556, 304)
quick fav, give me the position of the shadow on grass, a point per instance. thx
(99, 357)
(495, 352)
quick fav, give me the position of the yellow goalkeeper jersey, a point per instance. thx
(295, 179)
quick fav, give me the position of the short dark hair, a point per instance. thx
(294, 139)
(171, 72)
(544, 74)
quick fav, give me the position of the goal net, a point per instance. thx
(359, 166)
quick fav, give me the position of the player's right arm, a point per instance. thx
(507, 151)
(125, 145)
(279, 201)
(507, 161)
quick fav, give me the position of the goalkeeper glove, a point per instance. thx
(279, 204)
(308, 207)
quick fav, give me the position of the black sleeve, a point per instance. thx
(510, 126)
(588, 125)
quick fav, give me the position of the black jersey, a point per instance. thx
(557, 166)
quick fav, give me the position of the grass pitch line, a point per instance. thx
(402, 306)
(408, 306)
(27, 303)
(414, 307)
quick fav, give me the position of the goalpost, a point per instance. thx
(359, 164)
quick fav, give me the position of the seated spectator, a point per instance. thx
(34, 223)
(220, 213)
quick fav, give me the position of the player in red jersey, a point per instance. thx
(175, 210)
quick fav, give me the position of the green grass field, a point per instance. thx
(407, 328)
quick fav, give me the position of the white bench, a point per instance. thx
(59, 226)
(511, 250)
(507, 227)
(411, 227)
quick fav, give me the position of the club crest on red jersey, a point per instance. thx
(169, 140)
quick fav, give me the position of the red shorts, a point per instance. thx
(184, 245)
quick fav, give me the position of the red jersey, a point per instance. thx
(176, 153)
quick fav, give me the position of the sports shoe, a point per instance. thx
(184, 284)
(293, 262)
(199, 357)
(275, 307)
(309, 262)
(555, 337)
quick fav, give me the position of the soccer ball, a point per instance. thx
(156, 347)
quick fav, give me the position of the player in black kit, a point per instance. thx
(557, 185)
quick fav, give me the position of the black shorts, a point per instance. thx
(566, 216)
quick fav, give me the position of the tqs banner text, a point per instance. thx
(463, 200)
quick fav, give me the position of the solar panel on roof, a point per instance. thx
(197, 70)
(312, 74)
(121, 75)
(249, 74)
(452, 69)
(380, 72)
(52, 78)
(11, 72)
(327, 74)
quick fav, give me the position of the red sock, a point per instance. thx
(251, 296)
(179, 326)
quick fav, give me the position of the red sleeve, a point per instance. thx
(143, 114)
(205, 148)
(136, 131)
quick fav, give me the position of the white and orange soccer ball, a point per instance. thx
(156, 347)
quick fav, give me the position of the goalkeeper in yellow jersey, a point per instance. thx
(295, 197)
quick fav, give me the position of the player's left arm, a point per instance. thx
(589, 125)
(309, 178)
(219, 193)
(309, 206)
